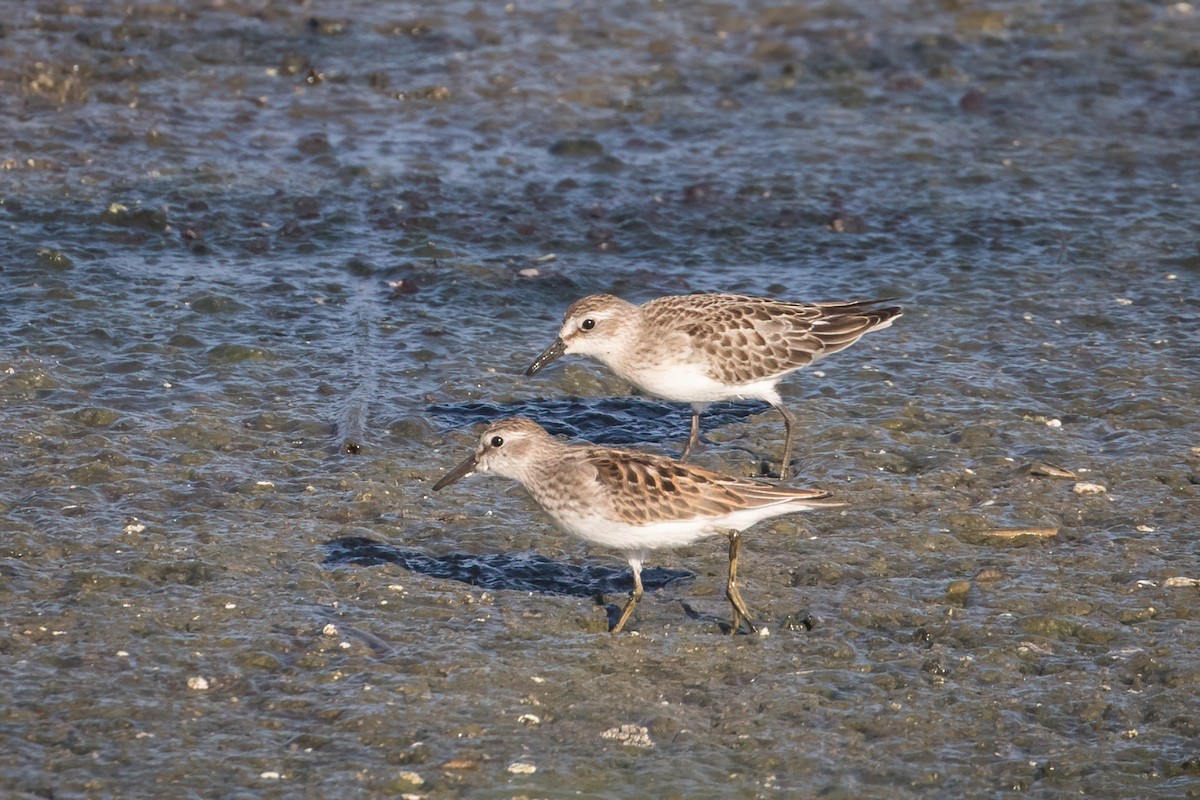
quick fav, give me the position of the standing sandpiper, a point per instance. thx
(701, 348)
(632, 502)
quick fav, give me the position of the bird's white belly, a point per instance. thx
(689, 383)
(624, 537)
(607, 532)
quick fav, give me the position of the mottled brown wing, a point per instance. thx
(744, 339)
(645, 489)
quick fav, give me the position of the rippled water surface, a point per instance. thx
(265, 266)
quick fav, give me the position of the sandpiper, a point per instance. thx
(632, 502)
(701, 348)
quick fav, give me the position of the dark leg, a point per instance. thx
(694, 438)
(634, 596)
(740, 612)
(789, 422)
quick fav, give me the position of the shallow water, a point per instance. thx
(265, 266)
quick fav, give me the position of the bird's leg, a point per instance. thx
(740, 612)
(634, 596)
(789, 422)
(693, 437)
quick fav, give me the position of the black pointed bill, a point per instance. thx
(458, 473)
(549, 354)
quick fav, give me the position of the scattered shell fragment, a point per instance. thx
(629, 734)
(408, 776)
(1049, 470)
(330, 629)
(270, 775)
(522, 768)
(1089, 488)
(1180, 580)
(529, 719)
(1013, 533)
(197, 683)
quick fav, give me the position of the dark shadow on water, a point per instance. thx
(523, 572)
(610, 421)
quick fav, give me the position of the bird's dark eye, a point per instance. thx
(497, 441)
(588, 324)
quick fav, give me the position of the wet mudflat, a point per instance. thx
(264, 265)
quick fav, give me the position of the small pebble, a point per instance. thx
(1089, 488)
(522, 768)
(1181, 581)
(529, 719)
(330, 629)
(529, 272)
(269, 775)
(411, 777)
(973, 102)
(197, 683)
(957, 592)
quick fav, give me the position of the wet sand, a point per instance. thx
(266, 266)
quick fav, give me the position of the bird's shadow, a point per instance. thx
(616, 421)
(522, 572)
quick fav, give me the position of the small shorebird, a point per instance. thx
(701, 348)
(632, 502)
